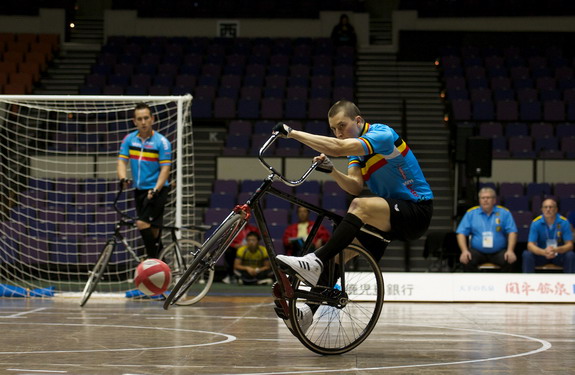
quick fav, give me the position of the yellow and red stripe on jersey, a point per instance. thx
(147, 155)
(371, 165)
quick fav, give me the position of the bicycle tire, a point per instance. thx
(97, 272)
(212, 249)
(188, 248)
(337, 330)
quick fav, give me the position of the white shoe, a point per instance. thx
(227, 280)
(304, 317)
(307, 268)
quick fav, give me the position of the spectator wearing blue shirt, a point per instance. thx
(550, 240)
(150, 157)
(493, 234)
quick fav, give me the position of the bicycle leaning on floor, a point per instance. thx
(178, 254)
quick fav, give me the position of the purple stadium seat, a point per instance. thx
(541, 189)
(546, 95)
(219, 200)
(521, 147)
(541, 130)
(527, 94)
(271, 201)
(248, 108)
(545, 83)
(225, 108)
(251, 92)
(295, 108)
(461, 110)
(240, 127)
(480, 94)
(564, 189)
(271, 108)
(318, 108)
(517, 203)
(530, 111)
(510, 189)
(490, 129)
(500, 83)
(565, 130)
(483, 110)
(507, 110)
(516, 129)
(554, 110)
(550, 143)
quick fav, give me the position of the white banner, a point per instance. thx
(471, 287)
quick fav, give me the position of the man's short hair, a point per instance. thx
(253, 233)
(142, 106)
(348, 108)
(487, 190)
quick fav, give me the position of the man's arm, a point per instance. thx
(567, 246)
(532, 246)
(509, 255)
(465, 256)
(328, 145)
(122, 169)
(163, 177)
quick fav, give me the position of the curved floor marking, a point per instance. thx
(545, 345)
(228, 338)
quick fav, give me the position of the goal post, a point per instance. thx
(58, 182)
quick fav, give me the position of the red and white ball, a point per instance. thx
(152, 277)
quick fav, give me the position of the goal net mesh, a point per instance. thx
(58, 183)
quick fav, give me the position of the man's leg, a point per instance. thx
(477, 258)
(528, 261)
(569, 262)
(369, 210)
(149, 238)
(499, 259)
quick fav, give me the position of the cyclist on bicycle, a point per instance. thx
(150, 156)
(400, 204)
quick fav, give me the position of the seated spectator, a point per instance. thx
(493, 234)
(550, 240)
(252, 265)
(296, 234)
(231, 251)
(343, 34)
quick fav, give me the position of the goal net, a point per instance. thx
(58, 183)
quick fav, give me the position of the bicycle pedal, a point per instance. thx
(280, 313)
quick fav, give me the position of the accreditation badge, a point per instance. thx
(487, 240)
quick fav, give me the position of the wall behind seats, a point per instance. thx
(127, 23)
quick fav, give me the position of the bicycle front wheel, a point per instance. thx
(211, 251)
(338, 328)
(188, 250)
(97, 272)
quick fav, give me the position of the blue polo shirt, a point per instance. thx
(500, 223)
(540, 232)
(388, 166)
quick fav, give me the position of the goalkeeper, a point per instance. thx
(150, 157)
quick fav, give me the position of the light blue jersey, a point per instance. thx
(388, 165)
(146, 157)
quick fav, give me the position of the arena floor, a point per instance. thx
(238, 333)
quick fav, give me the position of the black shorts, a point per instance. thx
(151, 211)
(409, 220)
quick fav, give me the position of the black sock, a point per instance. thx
(150, 242)
(342, 236)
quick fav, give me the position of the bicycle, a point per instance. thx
(343, 319)
(178, 254)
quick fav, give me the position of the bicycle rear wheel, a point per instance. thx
(188, 249)
(97, 271)
(211, 251)
(337, 329)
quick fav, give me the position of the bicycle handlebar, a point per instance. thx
(263, 149)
